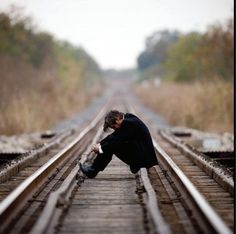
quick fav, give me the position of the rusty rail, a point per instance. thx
(214, 171)
(160, 224)
(202, 210)
(14, 202)
(44, 222)
(47, 221)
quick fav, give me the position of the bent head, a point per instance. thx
(113, 119)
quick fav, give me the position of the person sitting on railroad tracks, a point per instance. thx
(130, 141)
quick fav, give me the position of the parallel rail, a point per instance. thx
(202, 211)
(16, 199)
(214, 171)
(45, 222)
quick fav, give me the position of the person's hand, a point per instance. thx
(95, 148)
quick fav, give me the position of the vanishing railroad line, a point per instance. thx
(177, 196)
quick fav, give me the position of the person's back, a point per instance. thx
(146, 153)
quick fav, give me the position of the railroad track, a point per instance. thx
(32, 192)
(205, 188)
(176, 196)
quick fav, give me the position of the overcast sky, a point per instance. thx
(114, 31)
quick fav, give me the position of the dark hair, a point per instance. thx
(111, 118)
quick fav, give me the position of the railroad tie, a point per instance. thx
(106, 204)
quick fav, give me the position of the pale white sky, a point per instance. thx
(114, 31)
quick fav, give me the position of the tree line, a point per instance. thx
(29, 56)
(172, 55)
(43, 80)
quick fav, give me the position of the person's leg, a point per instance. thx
(99, 164)
(127, 160)
(127, 154)
(101, 161)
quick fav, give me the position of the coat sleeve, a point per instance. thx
(117, 138)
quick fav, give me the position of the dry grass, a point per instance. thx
(39, 111)
(37, 99)
(205, 106)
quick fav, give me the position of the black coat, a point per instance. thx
(132, 143)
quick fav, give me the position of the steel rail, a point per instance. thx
(14, 201)
(159, 222)
(59, 197)
(206, 214)
(215, 172)
(15, 167)
(47, 220)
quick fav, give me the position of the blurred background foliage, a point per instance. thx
(187, 57)
(41, 75)
(188, 78)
